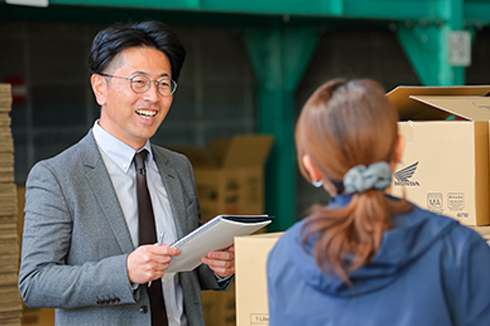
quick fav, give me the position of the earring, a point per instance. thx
(317, 183)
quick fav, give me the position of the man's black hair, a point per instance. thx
(110, 41)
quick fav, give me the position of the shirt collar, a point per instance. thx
(121, 153)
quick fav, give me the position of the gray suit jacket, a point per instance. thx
(76, 240)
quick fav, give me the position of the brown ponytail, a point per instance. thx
(342, 125)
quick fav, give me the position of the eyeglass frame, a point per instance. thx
(172, 82)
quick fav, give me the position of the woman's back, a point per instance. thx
(429, 270)
(368, 258)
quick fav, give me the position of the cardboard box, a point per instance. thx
(251, 252)
(21, 202)
(229, 174)
(37, 317)
(445, 165)
(219, 307)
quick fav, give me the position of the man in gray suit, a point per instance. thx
(80, 250)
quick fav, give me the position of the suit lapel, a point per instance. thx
(99, 180)
(174, 190)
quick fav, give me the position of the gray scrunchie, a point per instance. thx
(361, 178)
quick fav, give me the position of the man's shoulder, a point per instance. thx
(72, 156)
(169, 155)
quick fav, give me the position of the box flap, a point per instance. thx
(218, 148)
(199, 156)
(248, 150)
(239, 151)
(409, 108)
(468, 107)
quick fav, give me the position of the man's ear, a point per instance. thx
(314, 173)
(399, 147)
(99, 87)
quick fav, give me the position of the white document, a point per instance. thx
(216, 234)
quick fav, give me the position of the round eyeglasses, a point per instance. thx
(141, 83)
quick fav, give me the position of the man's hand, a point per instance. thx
(149, 262)
(221, 262)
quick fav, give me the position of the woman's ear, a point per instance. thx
(99, 87)
(317, 178)
(399, 147)
(314, 173)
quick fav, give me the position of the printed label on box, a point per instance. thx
(259, 319)
(455, 201)
(463, 215)
(434, 201)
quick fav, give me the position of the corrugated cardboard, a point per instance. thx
(251, 252)
(219, 307)
(230, 174)
(413, 110)
(10, 301)
(37, 317)
(445, 165)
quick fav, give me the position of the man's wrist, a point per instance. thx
(220, 279)
(133, 287)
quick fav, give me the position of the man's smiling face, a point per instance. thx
(125, 114)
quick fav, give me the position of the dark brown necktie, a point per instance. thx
(148, 235)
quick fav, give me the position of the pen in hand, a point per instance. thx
(160, 241)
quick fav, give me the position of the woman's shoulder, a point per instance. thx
(450, 232)
(292, 237)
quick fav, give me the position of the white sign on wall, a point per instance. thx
(459, 48)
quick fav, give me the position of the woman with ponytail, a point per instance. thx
(369, 258)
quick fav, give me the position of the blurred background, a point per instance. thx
(250, 67)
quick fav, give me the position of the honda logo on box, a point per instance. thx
(402, 176)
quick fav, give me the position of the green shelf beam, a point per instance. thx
(429, 11)
(280, 58)
(476, 13)
(427, 47)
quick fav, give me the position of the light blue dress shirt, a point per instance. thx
(118, 159)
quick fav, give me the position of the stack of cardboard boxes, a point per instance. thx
(10, 302)
(229, 176)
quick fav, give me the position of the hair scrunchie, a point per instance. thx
(361, 178)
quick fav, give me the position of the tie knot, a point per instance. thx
(139, 160)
